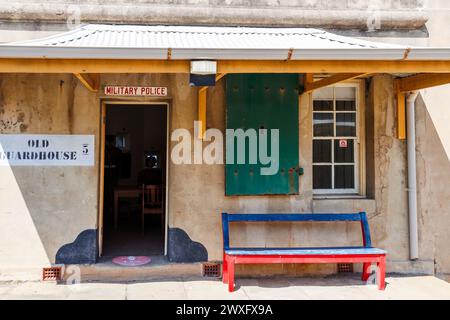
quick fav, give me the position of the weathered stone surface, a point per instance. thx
(355, 14)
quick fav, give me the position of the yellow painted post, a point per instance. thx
(309, 78)
(401, 115)
(202, 92)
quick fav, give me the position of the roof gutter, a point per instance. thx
(50, 52)
(412, 177)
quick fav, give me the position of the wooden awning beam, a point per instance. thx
(223, 66)
(311, 85)
(422, 81)
(414, 83)
(90, 81)
(220, 76)
(334, 66)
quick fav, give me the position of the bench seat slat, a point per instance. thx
(289, 217)
(306, 251)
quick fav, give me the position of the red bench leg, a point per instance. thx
(381, 273)
(224, 269)
(366, 271)
(230, 265)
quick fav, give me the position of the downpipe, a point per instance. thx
(412, 176)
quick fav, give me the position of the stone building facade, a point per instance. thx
(50, 215)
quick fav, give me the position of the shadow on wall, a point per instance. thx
(37, 213)
(45, 207)
(20, 239)
(433, 174)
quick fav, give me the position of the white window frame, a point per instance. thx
(359, 141)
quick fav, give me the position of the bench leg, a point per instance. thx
(230, 271)
(381, 273)
(366, 271)
(224, 269)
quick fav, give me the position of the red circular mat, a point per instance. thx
(131, 261)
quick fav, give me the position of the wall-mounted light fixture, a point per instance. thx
(203, 67)
(203, 73)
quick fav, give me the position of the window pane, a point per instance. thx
(323, 124)
(324, 94)
(323, 105)
(345, 93)
(344, 177)
(321, 151)
(345, 98)
(322, 177)
(342, 152)
(345, 105)
(346, 124)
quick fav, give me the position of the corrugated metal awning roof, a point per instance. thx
(226, 43)
(200, 37)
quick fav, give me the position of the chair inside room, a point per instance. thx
(152, 203)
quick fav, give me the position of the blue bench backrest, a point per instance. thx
(306, 217)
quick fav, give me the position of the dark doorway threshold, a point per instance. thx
(128, 239)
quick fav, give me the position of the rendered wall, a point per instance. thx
(44, 209)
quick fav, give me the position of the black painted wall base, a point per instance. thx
(84, 250)
(182, 249)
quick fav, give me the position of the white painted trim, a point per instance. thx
(13, 51)
(359, 145)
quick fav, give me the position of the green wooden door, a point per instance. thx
(263, 101)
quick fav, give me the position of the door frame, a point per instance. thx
(104, 103)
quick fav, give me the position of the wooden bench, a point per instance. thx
(365, 254)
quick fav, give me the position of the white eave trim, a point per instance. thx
(429, 54)
(48, 52)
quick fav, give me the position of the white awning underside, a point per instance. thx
(221, 43)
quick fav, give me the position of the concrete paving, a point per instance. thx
(343, 287)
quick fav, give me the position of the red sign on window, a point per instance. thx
(343, 143)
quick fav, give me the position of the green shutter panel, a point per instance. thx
(263, 101)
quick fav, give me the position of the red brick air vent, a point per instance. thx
(345, 267)
(211, 270)
(52, 273)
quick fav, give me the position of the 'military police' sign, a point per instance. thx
(46, 150)
(135, 91)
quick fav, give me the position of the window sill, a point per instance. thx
(343, 203)
(338, 196)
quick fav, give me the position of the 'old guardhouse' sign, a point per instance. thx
(46, 150)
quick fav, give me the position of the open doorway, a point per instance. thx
(134, 180)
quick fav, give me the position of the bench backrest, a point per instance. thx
(305, 217)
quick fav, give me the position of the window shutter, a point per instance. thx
(263, 101)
